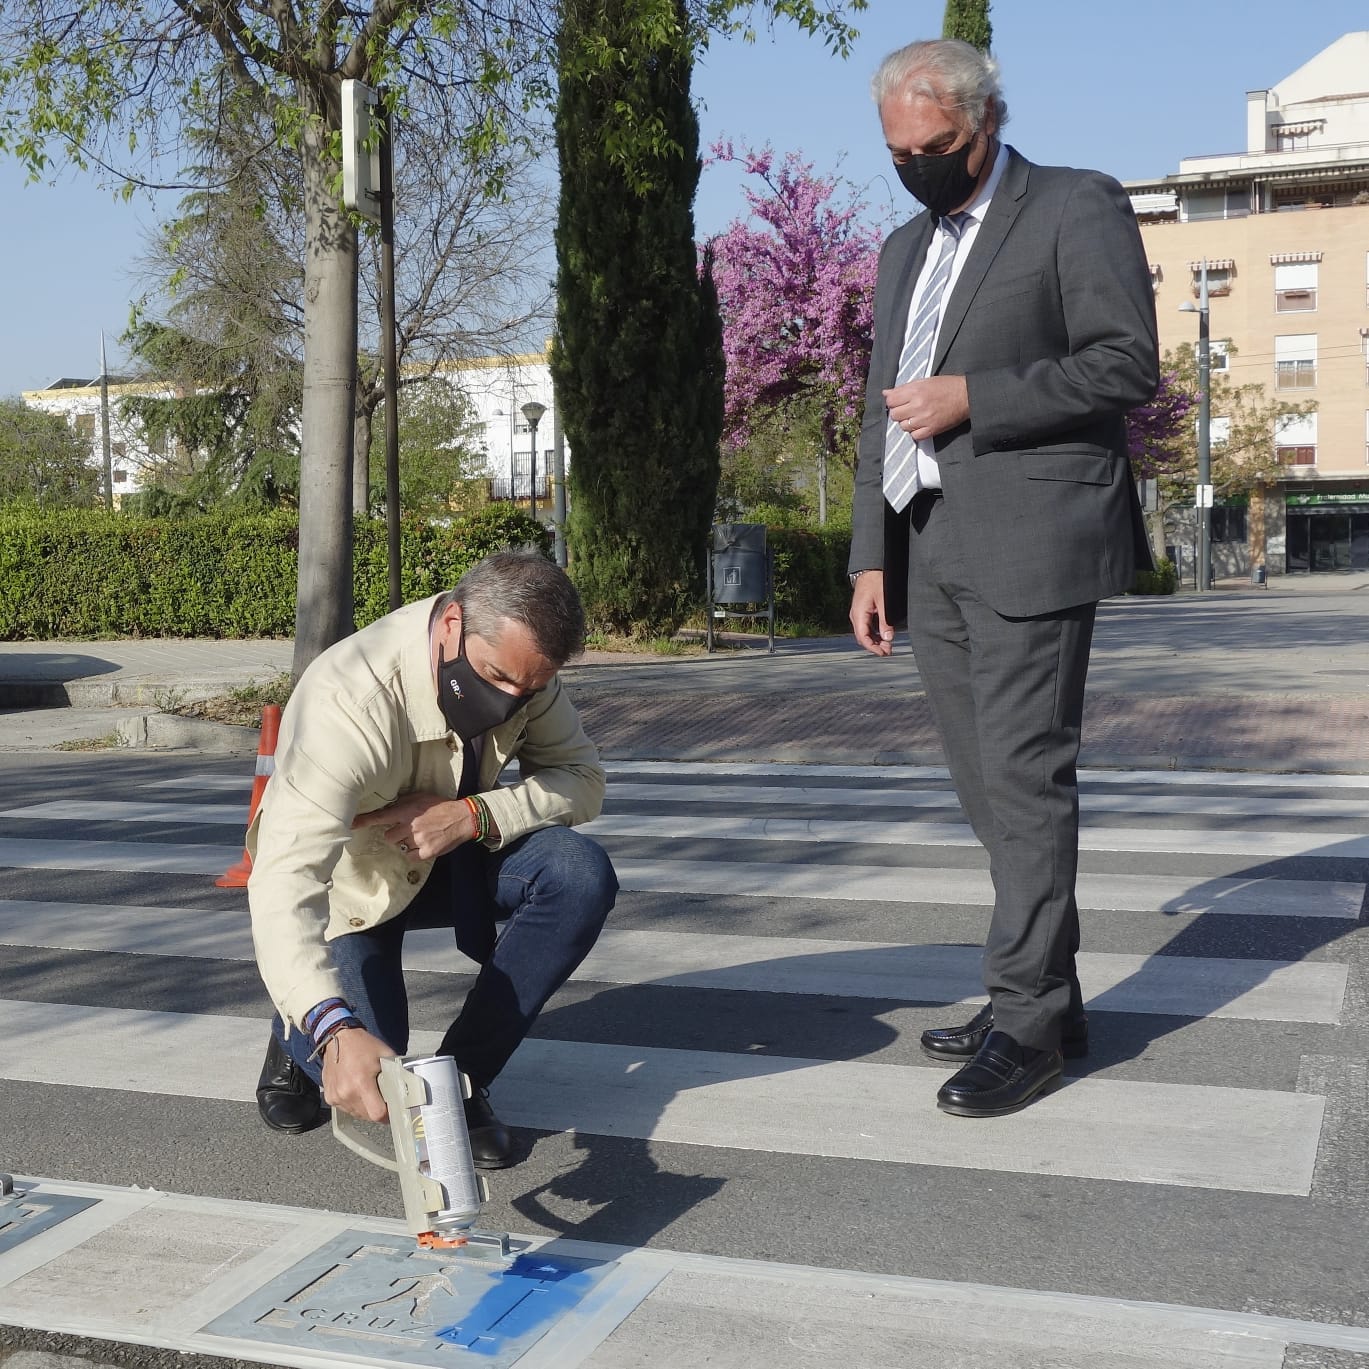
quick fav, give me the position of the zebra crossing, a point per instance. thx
(735, 1066)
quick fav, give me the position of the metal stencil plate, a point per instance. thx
(26, 1213)
(381, 1297)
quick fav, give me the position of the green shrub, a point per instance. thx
(89, 574)
(1162, 580)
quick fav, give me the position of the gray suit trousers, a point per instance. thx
(1008, 697)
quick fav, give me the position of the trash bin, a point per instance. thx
(740, 574)
(1258, 576)
(740, 564)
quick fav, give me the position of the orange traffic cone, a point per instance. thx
(235, 877)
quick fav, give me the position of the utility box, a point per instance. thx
(740, 572)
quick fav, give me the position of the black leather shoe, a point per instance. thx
(1003, 1077)
(491, 1144)
(287, 1098)
(963, 1043)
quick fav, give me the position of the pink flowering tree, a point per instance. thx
(795, 281)
(1156, 436)
(1155, 431)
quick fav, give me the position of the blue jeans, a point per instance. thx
(551, 890)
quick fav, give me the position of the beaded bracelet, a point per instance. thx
(336, 1029)
(323, 1022)
(480, 815)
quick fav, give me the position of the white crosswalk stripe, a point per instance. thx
(793, 916)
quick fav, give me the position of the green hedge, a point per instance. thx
(89, 574)
(1162, 580)
(810, 576)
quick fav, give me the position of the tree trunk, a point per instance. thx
(361, 461)
(323, 611)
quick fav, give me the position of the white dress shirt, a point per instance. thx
(928, 472)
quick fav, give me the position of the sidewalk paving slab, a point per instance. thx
(141, 1277)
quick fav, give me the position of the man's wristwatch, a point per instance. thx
(855, 575)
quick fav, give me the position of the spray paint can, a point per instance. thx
(442, 1192)
(442, 1146)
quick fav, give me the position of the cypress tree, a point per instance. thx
(637, 361)
(968, 20)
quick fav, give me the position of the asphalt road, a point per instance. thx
(737, 1072)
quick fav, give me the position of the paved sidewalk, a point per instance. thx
(1236, 678)
(134, 1277)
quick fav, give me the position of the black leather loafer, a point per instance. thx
(1003, 1077)
(491, 1144)
(963, 1043)
(287, 1098)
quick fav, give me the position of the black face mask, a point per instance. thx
(471, 705)
(943, 182)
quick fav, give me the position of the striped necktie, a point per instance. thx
(900, 451)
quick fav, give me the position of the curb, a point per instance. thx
(129, 692)
(169, 732)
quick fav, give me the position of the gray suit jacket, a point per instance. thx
(1052, 323)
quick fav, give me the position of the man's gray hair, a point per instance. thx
(521, 587)
(954, 74)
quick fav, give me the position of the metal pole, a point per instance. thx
(1204, 436)
(104, 425)
(532, 485)
(387, 328)
(558, 486)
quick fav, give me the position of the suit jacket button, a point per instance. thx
(414, 877)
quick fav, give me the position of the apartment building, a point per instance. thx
(1283, 228)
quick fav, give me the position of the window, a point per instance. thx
(1295, 287)
(1227, 523)
(1219, 356)
(1156, 276)
(1364, 342)
(120, 477)
(1292, 139)
(1295, 361)
(1295, 440)
(1219, 276)
(85, 426)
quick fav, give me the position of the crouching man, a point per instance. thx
(384, 814)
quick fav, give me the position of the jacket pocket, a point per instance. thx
(1082, 465)
(992, 291)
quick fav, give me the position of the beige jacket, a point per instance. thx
(362, 728)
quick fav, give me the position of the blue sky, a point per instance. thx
(1127, 88)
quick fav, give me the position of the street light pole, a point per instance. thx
(533, 412)
(1203, 494)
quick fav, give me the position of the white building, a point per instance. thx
(497, 388)
(132, 456)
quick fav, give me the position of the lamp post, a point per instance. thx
(1203, 494)
(533, 412)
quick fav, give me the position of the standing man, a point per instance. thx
(994, 506)
(385, 813)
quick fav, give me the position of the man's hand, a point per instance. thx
(351, 1069)
(924, 408)
(867, 614)
(423, 826)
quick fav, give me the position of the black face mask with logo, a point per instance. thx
(943, 182)
(471, 705)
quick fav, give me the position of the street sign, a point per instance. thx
(1202, 497)
(360, 151)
